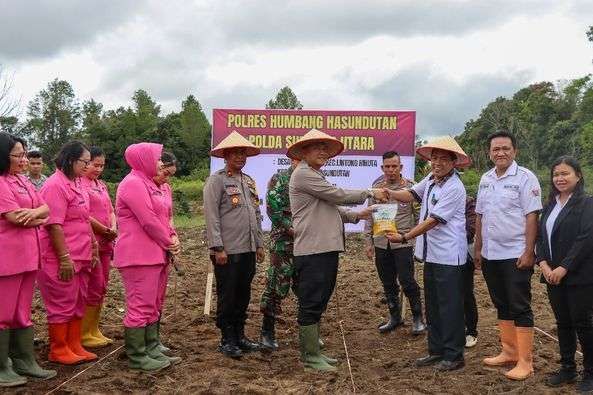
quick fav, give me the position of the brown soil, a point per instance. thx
(380, 363)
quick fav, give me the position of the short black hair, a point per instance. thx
(579, 189)
(34, 154)
(390, 154)
(7, 143)
(96, 151)
(69, 153)
(503, 133)
(168, 159)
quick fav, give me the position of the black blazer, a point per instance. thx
(572, 240)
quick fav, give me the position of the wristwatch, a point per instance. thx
(217, 249)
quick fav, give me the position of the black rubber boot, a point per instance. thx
(585, 386)
(228, 345)
(395, 316)
(418, 325)
(565, 375)
(268, 334)
(242, 341)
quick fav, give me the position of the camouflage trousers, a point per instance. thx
(279, 279)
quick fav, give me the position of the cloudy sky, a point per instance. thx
(444, 59)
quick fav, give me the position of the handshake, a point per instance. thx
(380, 194)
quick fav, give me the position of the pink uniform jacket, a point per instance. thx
(142, 218)
(101, 208)
(69, 206)
(20, 246)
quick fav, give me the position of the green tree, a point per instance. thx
(53, 118)
(285, 99)
(10, 125)
(147, 113)
(586, 142)
(195, 132)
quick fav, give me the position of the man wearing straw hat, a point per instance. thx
(318, 236)
(441, 244)
(235, 239)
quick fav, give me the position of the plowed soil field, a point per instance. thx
(380, 363)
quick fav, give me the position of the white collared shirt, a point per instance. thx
(446, 243)
(504, 202)
(552, 220)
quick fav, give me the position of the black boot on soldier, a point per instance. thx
(228, 345)
(268, 334)
(242, 341)
(395, 316)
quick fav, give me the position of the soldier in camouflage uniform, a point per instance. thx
(279, 276)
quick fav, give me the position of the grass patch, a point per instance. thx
(194, 221)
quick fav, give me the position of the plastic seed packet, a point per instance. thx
(384, 219)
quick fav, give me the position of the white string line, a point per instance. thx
(551, 337)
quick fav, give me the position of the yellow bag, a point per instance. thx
(384, 219)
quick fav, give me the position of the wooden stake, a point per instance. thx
(208, 296)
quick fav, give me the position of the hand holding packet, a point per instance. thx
(384, 219)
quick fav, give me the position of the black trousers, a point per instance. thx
(233, 288)
(573, 309)
(398, 265)
(510, 290)
(444, 310)
(316, 279)
(470, 308)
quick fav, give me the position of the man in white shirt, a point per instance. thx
(442, 245)
(509, 199)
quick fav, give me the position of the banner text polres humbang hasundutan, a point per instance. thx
(366, 135)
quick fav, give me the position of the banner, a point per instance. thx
(366, 135)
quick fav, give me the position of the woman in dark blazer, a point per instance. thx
(565, 256)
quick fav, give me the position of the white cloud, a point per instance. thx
(447, 59)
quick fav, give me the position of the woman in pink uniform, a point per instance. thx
(69, 251)
(102, 219)
(166, 170)
(140, 254)
(22, 211)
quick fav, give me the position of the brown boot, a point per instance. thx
(524, 367)
(508, 339)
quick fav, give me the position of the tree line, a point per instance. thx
(55, 116)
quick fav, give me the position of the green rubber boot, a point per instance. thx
(310, 354)
(136, 352)
(22, 353)
(152, 345)
(8, 377)
(162, 348)
(331, 361)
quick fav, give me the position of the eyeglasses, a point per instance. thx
(19, 156)
(86, 162)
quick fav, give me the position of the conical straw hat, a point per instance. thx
(335, 146)
(234, 140)
(446, 143)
